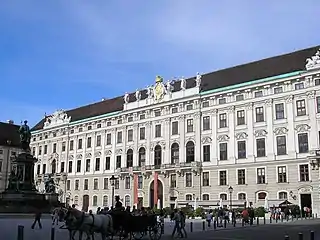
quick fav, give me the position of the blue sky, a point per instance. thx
(62, 54)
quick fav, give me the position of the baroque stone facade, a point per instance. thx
(260, 138)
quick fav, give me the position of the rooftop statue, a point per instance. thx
(126, 98)
(25, 136)
(198, 80)
(314, 61)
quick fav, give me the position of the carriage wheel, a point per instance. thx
(138, 235)
(155, 232)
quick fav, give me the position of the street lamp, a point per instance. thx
(230, 193)
(112, 182)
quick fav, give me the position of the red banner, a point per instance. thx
(135, 189)
(155, 193)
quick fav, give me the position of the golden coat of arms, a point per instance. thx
(159, 89)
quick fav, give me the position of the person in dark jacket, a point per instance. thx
(37, 218)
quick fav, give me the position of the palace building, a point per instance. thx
(249, 133)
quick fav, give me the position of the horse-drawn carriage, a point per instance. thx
(115, 223)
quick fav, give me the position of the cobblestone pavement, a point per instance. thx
(9, 226)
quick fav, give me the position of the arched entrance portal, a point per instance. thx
(85, 203)
(153, 201)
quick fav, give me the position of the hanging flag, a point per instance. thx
(155, 192)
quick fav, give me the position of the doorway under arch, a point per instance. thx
(85, 203)
(153, 202)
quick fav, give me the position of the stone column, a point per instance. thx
(182, 132)
(167, 150)
(291, 143)
(214, 131)
(124, 147)
(311, 108)
(270, 135)
(148, 145)
(198, 145)
(113, 157)
(250, 138)
(231, 142)
(136, 140)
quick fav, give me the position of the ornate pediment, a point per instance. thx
(280, 131)
(302, 128)
(88, 155)
(70, 157)
(79, 156)
(260, 133)
(97, 154)
(206, 140)
(241, 135)
(223, 138)
(108, 152)
(119, 151)
(314, 61)
(58, 118)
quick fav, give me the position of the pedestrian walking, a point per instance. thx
(37, 219)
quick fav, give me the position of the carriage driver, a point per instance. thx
(118, 205)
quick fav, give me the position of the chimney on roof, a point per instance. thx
(10, 121)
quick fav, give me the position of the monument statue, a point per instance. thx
(49, 185)
(25, 136)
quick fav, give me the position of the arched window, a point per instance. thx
(105, 201)
(190, 152)
(188, 197)
(142, 156)
(205, 197)
(129, 158)
(54, 166)
(76, 200)
(174, 153)
(262, 195)
(242, 196)
(224, 196)
(127, 201)
(283, 195)
(94, 201)
(157, 156)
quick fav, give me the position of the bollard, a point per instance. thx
(312, 215)
(20, 232)
(281, 219)
(312, 235)
(225, 223)
(286, 237)
(52, 233)
(264, 220)
(270, 219)
(242, 222)
(300, 236)
(214, 224)
(316, 215)
(203, 225)
(257, 220)
(276, 219)
(191, 226)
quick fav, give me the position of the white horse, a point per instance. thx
(89, 223)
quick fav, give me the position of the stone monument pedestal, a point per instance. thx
(21, 195)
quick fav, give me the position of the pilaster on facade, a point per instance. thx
(214, 143)
(291, 128)
(198, 129)
(270, 135)
(250, 140)
(182, 132)
(314, 143)
(231, 121)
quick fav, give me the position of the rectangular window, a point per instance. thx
(188, 179)
(76, 185)
(299, 86)
(87, 165)
(173, 181)
(71, 145)
(98, 141)
(279, 108)
(206, 153)
(157, 113)
(205, 179)
(142, 116)
(303, 142)
(206, 123)
(205, 104)
(189, 107)
(261, 175)
(130, 135)
(222, 100)
(108, 140)
(40, 150)
(301, 107)
(105, 183)
(304, 173)
(119, 137)
(86, 184)
(62, 167)
(44, 168)
(140, 182)
(116, 184)
(88, 142)
(70, 167)
(158, 130)
(241, 117)
(242, 150)
(80, 143)
(142, 133)
(118, 161)
(281, 145)
(63, 147)
(282, 174)
(318, 104)
(223, 150)
(189, 125)
(38, 168)
(127, 183)
(241, 176)
(239, 97)
(97, 165)
(107, 164)
(79, 165)
(45, 149)
(261, 147)
(258, 94)
(223, 178)
(222, 120)
(277, 90)
(259, 114)
(174, 110)
(95, 184)
(175, 128)
(54, 148)
(68, 185)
